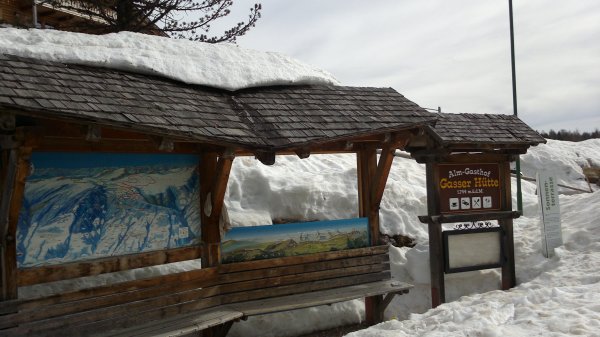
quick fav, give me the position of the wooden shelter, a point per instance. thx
(52, 108)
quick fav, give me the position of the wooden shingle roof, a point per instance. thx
(267, 118)
(263, 118)
(482, 129)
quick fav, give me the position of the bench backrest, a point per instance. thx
(126, 304)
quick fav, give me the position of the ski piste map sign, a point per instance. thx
(467, 188)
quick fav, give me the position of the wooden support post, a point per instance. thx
(214, 176)
(509, 279)
(436, 251)
(366, 168)
(12, 197)
(208, 169)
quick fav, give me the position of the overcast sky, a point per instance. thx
(453, 54)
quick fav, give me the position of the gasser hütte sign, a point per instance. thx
(465, 188)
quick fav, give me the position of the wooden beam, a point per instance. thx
(209, 225)
(366, 167)
(436, 252)
(381, 174)
(20, 158)
(509, 278)
(216, 175)
(220, 185)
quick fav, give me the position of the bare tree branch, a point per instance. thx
(158, 17)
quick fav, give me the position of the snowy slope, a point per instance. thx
(224, 66)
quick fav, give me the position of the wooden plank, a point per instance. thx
(304, 287)
(112, 145)
(303, 278)
(450, 218)
(202, 277)
(181, 325)
(97, 302)
(36, 275)
(321, 297)
(476, 158)
(302, 268)
(9, 246)
(119, 316)
(292, 260)
(138, 318)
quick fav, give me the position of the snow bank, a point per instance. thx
(565, 159)
(224, 66)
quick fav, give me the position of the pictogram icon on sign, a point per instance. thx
(465, 203)
(487, 202)
(454, 204)
(476, 202)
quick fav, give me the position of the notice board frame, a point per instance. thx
(446, 234)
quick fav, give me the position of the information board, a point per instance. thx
(469, 188)
(81, 206)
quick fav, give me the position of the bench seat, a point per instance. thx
(209, 298)
(196, 322)
(322, 297)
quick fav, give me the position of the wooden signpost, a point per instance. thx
(471, 191)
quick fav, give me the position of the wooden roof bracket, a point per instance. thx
(265, 157)
(8, 122)
(303, 152)
(216, 196)
(383, 168)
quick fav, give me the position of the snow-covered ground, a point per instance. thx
(554, 297)
(224, 66)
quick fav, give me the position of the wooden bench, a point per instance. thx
(187, 302)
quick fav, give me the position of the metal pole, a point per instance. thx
(514, 93)
(35, 18)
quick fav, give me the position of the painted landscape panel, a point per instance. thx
(265, 242)
(80, 206)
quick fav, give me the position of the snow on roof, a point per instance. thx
(223, 66)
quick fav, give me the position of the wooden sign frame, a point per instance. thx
(435, 217)
(447, 234)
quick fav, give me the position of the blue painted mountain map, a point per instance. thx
(80, 206)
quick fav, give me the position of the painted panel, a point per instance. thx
(80, 206)
(265, 242)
